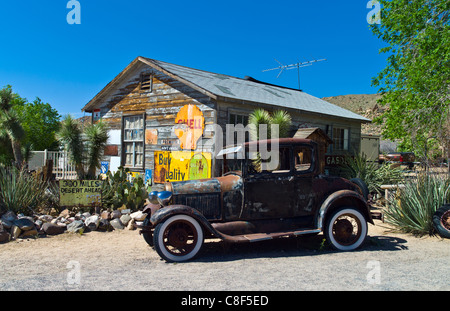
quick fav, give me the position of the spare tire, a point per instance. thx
(362, 185)
(441, 221)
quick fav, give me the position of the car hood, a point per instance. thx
(226, 183)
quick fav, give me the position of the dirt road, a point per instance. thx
(121, 260)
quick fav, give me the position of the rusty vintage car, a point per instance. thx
(250, 205)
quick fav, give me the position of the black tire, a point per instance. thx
(340, 229)
(148, 236)
(179, 238)
(362, 185)
(441, 221)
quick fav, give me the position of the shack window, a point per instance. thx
(303, 159)
(146, 82)
(238, 119)
(340, 139)
(133, 142)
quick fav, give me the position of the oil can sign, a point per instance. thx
(80, 193)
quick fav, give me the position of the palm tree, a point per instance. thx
(10, 126)
(83, 147)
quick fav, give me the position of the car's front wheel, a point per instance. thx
(179, 238)
(346, 229)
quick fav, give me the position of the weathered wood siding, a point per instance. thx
(160, 107)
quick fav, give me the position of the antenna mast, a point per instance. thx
(298, 65)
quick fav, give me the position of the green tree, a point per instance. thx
(416, 81)
(40, 122)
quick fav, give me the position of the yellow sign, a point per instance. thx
(181, 166)
(190, 124)
(80, 193)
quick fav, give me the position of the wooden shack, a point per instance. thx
(168, 121)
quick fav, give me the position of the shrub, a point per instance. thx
(20, 192)
(372, 173)
(412, 210)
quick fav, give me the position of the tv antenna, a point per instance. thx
(298, 65)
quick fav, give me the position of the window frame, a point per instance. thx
(343, 141)
(133, 143)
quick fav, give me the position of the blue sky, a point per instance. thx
(41, 55)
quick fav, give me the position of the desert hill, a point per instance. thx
(363, 104)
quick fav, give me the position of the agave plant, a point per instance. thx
(412, 210)
(20, 192)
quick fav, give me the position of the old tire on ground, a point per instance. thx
(179, 238)
(362, 185)
(346, 229)
(441, 221)
(148, 237)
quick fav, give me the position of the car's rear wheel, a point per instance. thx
(346, 229)
(179, 238)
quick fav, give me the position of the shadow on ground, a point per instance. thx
(289, 247)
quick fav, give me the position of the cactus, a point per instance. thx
(118, 190)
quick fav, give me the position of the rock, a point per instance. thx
(76, 227)
(9, 216)
(104, 225)
(131, 225)
(105, 215)
(116, 224)
(138, 216)
(38, 223)
(52, 229)
(46, 218)
(6, 224)
(116, 214)
(125, 211)
(65, 213)
(15, 232)
(92, 222)
(125, 219)
(29, 233)
(4, 236)
(24, 224)
(86, 215)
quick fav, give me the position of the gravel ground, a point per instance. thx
(121, 261)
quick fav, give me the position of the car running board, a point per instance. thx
(256, 237)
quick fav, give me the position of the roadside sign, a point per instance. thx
(80, 193)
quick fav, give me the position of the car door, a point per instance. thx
(269, 194)
(304, 172)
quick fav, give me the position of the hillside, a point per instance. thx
(363, 104)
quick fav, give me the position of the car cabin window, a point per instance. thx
(282, 164)
(302, 159)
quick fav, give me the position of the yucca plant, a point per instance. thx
(19, 191)
(412, 209)
(260, 117)
(87, 149)
(372, 173)
(97, 136)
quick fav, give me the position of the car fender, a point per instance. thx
(162, 214)
(343, 198)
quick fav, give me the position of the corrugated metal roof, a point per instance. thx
(246, 90)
